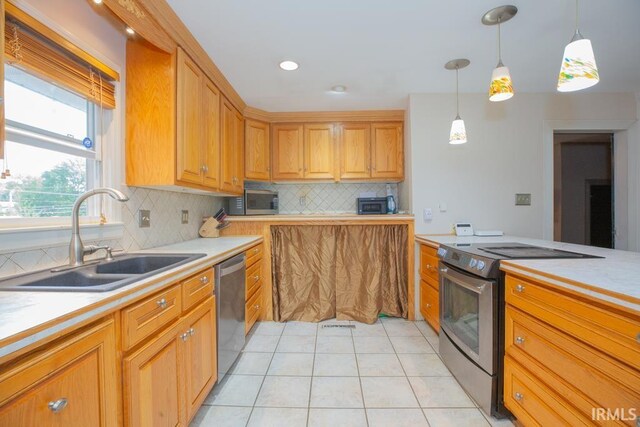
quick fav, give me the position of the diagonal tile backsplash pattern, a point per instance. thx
(166, 226)
(323, 198)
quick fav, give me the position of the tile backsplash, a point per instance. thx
(166, 228)
(166, 225)
(323, 198)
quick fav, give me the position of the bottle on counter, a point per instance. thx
(391, 205)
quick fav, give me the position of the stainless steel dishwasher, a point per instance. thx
(230, 300)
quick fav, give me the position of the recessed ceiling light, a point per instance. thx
(289, 65)
(129, 31)
(97, 1)
(339, 89)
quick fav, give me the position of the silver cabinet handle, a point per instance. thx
(256, 278)
(192, 332)
(204, 279)
(444, 270)
(58, 405)
(519, 396)
(519, 288)
(519, 340)
(185, 336)
(162, 303)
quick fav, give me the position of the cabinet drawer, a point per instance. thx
(581, 374)
(253, 280)
(147, 316)
(428, 250)
(254, 254)
(253, 308)
(430, 305)
(429, 263)
(197, 288)
(533, 403)
(435, 284)
(612, 332)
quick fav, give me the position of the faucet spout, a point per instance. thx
(76, 247)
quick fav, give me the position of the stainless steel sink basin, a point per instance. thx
(98, 277)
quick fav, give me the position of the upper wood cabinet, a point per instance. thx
(355, 150)
(319, 158)
(173, 111)
(288, 149)
(387, 151)
(257, 154)
(232, 155)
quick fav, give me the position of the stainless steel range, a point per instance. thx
(472, 314)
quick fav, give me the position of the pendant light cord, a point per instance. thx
(576, 16)
(499, 45)
(457, 95)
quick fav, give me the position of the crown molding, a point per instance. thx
(324, 116)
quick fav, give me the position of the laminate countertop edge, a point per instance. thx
(322, 218)
(18, 336)
(613, 280)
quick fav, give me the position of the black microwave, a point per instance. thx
(372, 205)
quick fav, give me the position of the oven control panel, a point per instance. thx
(474, 264)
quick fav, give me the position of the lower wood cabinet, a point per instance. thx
(429, 287)
(168, 378)
(73, 383)
(253, 286)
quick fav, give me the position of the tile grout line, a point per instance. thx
(265, 377)
(313, 366)
(355, 356)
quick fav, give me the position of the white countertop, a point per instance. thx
(27, 316)
(321, 217)
(614, 278)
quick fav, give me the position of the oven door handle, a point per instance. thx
(470, 283)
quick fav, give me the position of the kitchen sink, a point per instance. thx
(98, 276)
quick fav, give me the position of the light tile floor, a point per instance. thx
(303, 374)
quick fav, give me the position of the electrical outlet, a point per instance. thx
(303, 201)
(427, 215)
(523, 199)
(185, 217)
(144, 218)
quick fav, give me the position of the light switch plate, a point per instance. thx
(185, 217)
(427, 215)
(144, 218)
(523, 199)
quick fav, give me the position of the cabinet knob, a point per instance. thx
(192, 332)
(204, 279)
(518, 396)
(185, 336)
(256, 250)
(162, 303)
(519, 288)
(520, 340)
(256, 278)
(444, 270)
(58, 405)
(257, 307)
(428, 305)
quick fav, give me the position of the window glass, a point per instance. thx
(44, 153)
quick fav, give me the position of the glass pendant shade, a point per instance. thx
(578, 70)
(501, 87)
(458, 134)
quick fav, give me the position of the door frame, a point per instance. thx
(625, 187)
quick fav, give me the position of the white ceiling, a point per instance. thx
(384, 50)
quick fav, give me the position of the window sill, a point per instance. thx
(28, 238)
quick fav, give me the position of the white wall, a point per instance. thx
(505, 155)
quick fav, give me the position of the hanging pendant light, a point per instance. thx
(458, 134)
(578, 69)
(501, 87)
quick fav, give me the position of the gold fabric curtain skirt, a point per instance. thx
(350, 272)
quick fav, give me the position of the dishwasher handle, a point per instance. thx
(232, 266)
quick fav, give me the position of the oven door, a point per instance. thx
(467, 315)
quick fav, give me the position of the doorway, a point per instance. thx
(583, 189)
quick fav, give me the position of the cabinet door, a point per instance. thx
(153, 382)
(211, 134)
(238, 175)
(71, 384)
(387, 145)
(319, 160)
(200, 355)
(355, 151)
(256, 151)
(228, 155)
(189, 123)
(288, 151)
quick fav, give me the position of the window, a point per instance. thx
(44, 151)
